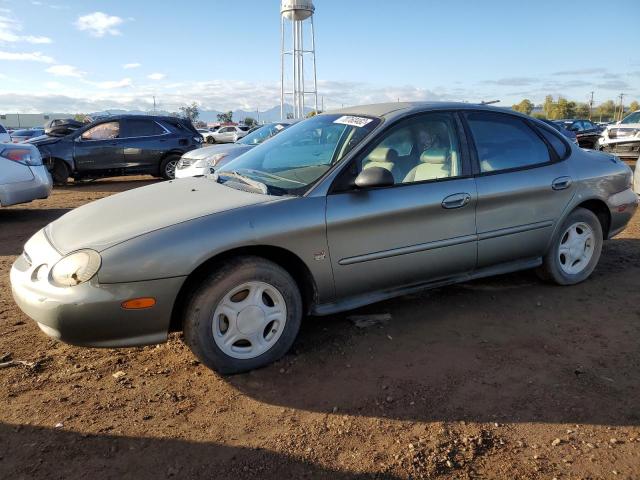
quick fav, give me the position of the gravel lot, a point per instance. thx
(499, 378)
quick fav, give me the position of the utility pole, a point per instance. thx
(154, 104)
(621, 106)
(591, 106)
(323, 103)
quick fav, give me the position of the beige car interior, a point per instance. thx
(423, 160)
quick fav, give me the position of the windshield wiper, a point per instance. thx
(271, 175)
(249, 181)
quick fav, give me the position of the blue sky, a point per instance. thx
(87, 55)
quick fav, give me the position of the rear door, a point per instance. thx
(99, 148)
(419, 230)
(523, 186)
(144, 142)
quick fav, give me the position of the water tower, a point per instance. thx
(296, 16)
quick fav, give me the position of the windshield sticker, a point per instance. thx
(353, 121)
(279, 127)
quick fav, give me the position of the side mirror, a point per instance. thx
(374, 177)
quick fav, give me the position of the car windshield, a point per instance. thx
(295, 159)
(261, 134)
(633, 118)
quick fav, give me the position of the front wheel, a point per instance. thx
(211, 140)
(60, 172)
(575, 251)
(244, 315)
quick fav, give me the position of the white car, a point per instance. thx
(636, 178)
(4, 135)
(622, 138)
(206, 134)
(205, 160)
(230, 134)
(23, 177)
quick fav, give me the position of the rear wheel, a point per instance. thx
(245, 315)
(168, 167)
(60, 172)
(575, 251)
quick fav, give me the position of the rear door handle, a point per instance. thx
(561, 183)
(457, 200)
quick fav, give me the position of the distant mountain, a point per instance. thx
(210, 116)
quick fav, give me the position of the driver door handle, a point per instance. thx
(561, 183)
(457, 200)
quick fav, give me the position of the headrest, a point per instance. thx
(435, 155)
(382, 154)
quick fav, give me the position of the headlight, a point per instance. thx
(210, 162)
(76, 268)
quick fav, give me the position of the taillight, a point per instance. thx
(24, 156)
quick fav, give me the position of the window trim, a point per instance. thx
(465, 153)
(120, 120)
(553, 157)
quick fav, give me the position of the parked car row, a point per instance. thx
(338, 211)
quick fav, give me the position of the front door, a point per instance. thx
(523, 187)
(143, 141)
(99, 148)
(422, 228)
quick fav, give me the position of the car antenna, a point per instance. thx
(490, 102)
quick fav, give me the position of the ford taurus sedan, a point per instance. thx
(338, 211)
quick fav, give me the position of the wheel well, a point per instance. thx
(600, 209)
(280, 256)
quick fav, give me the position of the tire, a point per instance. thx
(60, 172)
(211, 140)
(168, 167)
(575, 250)
(231, 332)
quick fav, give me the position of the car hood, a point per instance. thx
(112, 220)
(43, 140)
(208, 152)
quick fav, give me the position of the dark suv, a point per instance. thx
(119, 145)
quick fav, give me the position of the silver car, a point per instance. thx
(23, 177)
(205, 160)
(339, 211)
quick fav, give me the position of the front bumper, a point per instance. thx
(191, 171)
(23, 192)
(623, 147)
(89, 314)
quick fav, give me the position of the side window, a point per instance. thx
(104, 131)
(504, 142)
(140, 128)
(420, 149)
(2, 130)
(560, 147)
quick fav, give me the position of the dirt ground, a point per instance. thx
(500, 378)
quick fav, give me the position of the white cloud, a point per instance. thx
(10, 31)
(99, 24)
(65, 71)
(128, 66)
(156, 76)
(25, 56)
(112, 84)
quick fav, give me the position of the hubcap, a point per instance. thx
(170, 169)
(249, 320)
(576, 248)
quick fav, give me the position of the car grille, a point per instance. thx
(622, 132)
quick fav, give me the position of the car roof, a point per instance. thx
(393, 109)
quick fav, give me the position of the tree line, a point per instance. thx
(563, 108)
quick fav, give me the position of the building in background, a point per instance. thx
(29, 120)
